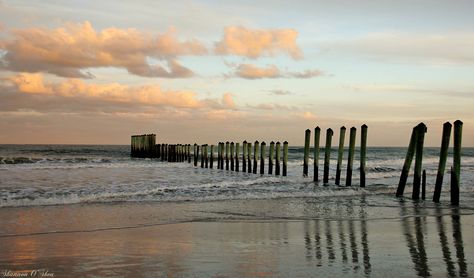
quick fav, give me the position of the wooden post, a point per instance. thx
(212, 157)
(255, 156)
(270, 157)
(132, 146)
(244, 157)
(423, 185)
(363, 153)
(237, 153)
(189, 153)
(262, 158)
(307, 137)
(206, 156)
(232, 156)
(456, 163)
(350, 159)
(327, 155)
(340, 154)
(196, 151)
(277, 159)
(285, 157)
(249, 154)
(407, 164)
(443, 155)
(317, 133)
(227, 155)
(219, 155)
(418, 161)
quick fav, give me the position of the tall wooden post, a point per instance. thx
(227, 155)
(350, 159)
(423, 185)
(327, 155)
(363, 153)
(443, 155)
(237, 153)
(244, 157)
(197, 155)
(232, 156)
(307, 138)
(277, 159)
(285, 157)
(317, 134)
(255, 156)
(189, 153)
(456, 180)
(202, 156)
(270, 157)
(249, 160)
(212, 156)
(340, 153)
(206, 156)
(418, 161)
(407, 164)
(262, 158)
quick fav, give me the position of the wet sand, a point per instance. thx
(284, 238)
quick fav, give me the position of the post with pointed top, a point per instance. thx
(327, 155)
(232, 156)
(456, 163)
(307, 137)
(237, 153)
(285, 157)
(418, 161)
(255, 157)
(423, 185)
(317, 134)
(277, 159)
(270, 158)
(244, 157)
(212, 157)
(262, 158)
(350, 159)
(363, 153)
(407, 164)
(249, 160)
(443, 155)
(227, 155)
(340, 154)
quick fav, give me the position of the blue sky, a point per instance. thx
(389, 64)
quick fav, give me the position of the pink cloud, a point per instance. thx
(250, 71)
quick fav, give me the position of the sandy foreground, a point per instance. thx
(345, 236)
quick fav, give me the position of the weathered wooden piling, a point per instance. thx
(317, 134)
(206, 155)
(340, 154)
(219, 155)
(255, 156)
(227, 155)
(307, 138)
(443, 155)
(196, 151)
(249, 155)
(232, 156)
(407, 164)
(270, 157)
(237, 153)
(202, 156)
(418, 160)
(244, 156)
(423, 185)
(211, 164)
(350, 159)
(327, 155)
(363, 153)
(262, 158)
(277, 159)
(189, 153)
(456, 180)
(285, 157)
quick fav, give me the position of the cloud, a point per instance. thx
(255, 43)
(455, 47)
(152, 95)
(306, 74)
(280, 92)
(250, 71)
(70, 50)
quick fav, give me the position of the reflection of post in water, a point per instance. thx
(444, 244)
(352, 238)
(329, 244)
(417, 251)
(342, 241)
(317, 242)
(458, 243)
(307, 241)
(365, 246)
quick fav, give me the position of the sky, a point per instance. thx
(96, 72)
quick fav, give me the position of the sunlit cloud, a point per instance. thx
(71, 50)
(251, 71)
(254, 43)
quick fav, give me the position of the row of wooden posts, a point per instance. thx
(228, 157)
(327, 154)
(415, 148)
(143, 145)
